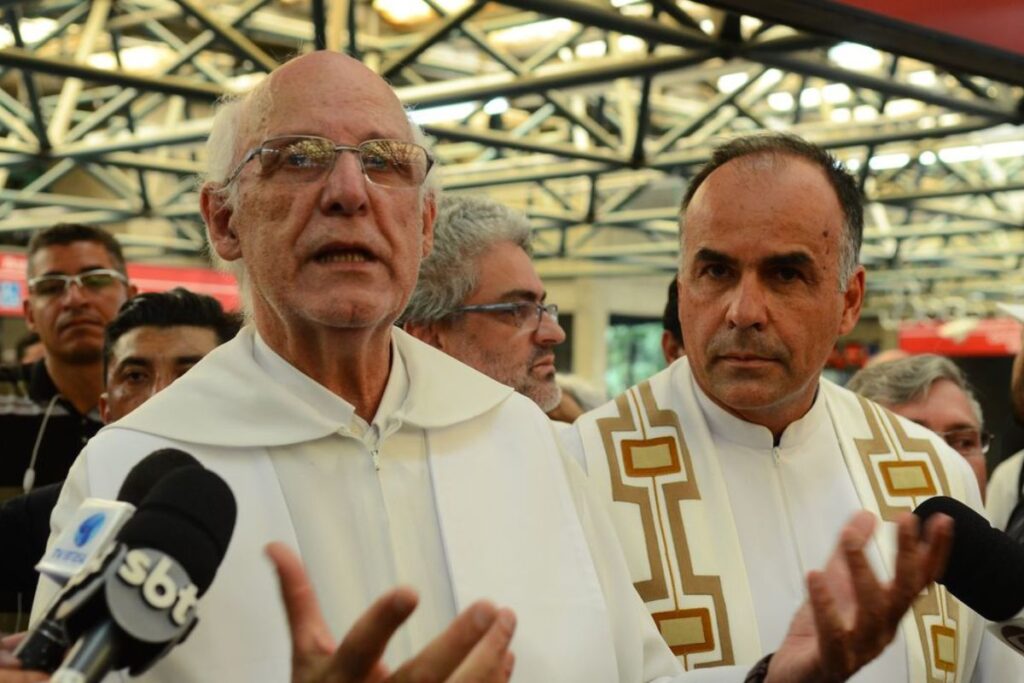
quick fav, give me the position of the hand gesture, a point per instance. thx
(474, 648)
(850, 617)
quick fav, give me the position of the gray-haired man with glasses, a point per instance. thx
(479, 299)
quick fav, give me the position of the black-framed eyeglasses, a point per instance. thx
(521, 312)
(56, 284)
(305, 158)
(967, 440)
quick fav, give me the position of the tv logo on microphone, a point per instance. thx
(164, 584)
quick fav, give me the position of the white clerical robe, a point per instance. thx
(720, 525)
(457, 488)
(1003, 492)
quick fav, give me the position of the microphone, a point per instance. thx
(96, 522)
(985, 569)
(87, 540)
(141, 600)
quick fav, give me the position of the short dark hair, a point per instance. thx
(670, 318)
(69, 233)
(172, 308)
(24, 341)
(851, 199)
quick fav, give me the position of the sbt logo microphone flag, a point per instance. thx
(162, 582)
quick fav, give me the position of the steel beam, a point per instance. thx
(229, 35)
(169, 85)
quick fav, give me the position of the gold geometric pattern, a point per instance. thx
(904, 479)
(944, 647)
(686, 630)
(650, 457)
(641, 459)
(908, 480)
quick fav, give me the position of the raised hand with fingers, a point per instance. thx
(474, 648)
(850, 617)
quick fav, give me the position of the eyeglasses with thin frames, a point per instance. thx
(520, 311)
(306, 158)
(56, 284)
(967, 441)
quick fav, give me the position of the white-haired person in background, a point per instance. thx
(931, 391)
(479, 299)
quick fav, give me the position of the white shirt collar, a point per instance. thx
(726, 426)
(240, 396)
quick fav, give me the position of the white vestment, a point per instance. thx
(720, 525)
(1002, 493)
(457, 488)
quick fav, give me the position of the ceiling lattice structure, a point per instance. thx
(589, 116)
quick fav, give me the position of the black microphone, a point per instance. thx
(142, 601)
(151, 469)
(46, 643)
(986, 567)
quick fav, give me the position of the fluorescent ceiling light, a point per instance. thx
(632, 44)
(538, 31)
(836, 93)
(135, 58)
(731, 82)
(841, 115)
(592, 49)
(902, 107)
(864, 112)
(1004, 150)
(414, 11)
(884, 162)
(781, 101)
(499, 105)
(32, 30)
(924, 79)
(810, 97)
(955, 155)
(927, 157)
(446, 112)
(855, 56)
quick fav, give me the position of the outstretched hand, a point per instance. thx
(850, 617)
(474, 648)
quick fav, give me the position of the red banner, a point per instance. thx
(996, 23)
(147, 277)
(988, 337)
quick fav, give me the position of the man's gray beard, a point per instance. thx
(546, 394)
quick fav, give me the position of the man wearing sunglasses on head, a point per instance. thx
(48, 409)
(479, 299)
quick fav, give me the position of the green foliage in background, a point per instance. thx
(634, 354)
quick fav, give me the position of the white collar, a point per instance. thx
(726, 426)
(243, 394)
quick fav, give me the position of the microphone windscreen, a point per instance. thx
(149, 471)
(986, 567)
(190, 516)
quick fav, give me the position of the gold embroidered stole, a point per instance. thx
(651, 450)
(894, 473)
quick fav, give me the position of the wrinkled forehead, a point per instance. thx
(346, 102)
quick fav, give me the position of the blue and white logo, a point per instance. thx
(89, 528)
(10, 294)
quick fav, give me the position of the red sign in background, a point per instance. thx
(996, 23)
(988, 337)
(147, 277)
